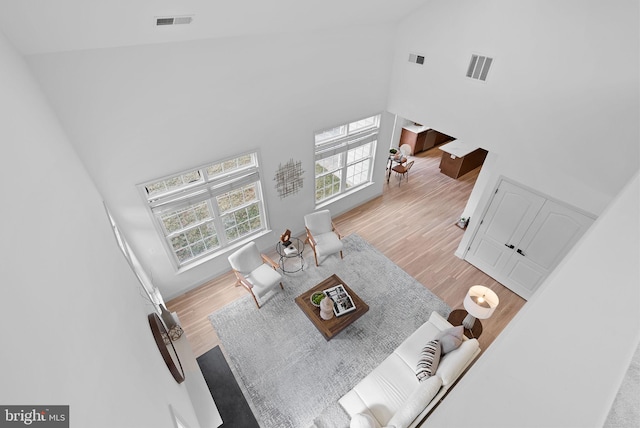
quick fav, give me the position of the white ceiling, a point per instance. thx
(40, 26)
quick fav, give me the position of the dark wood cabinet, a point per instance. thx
(421, 138)
(459, 158)
(414, 137)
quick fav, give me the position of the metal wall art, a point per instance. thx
(289, 178)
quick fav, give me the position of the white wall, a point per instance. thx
(560, 361)
(136, 114)
(559, 111)
(75, 327)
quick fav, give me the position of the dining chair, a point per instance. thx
(405, 149)
(403, 170)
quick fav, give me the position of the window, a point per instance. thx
(344, 157)
(201, 211)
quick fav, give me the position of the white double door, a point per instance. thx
(523, 236)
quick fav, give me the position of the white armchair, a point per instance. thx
(254, 271)
(322, 235)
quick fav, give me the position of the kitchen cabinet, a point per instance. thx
(458, 158)
(421, 138)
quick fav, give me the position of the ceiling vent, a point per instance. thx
(479, 67)
(416, 59)
(173, 20)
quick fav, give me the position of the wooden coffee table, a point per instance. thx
(329, 328)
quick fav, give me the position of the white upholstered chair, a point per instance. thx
(254, 271)
(405, 149)
(322, 235)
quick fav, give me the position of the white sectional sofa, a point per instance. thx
(392, 396)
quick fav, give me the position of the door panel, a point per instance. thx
(490, 253)
(524, 276)
(554, 231)
(509, 215)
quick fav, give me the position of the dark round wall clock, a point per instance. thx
(165, 345)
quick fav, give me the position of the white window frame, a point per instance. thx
(207, 189)
(347, 137)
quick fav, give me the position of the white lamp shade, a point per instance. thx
(480, 301)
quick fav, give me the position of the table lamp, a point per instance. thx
(480, 302)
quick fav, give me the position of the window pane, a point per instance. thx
(171, 222)
(187, 218)
(326, 186)
(359, 125)
(231, 165)
(236, 198)
(242, 222)
(358, 173)
(331, 163)
(178, 242)
(212, 242)
(359, 153)
(191, 231)
(240, 211)
(184, 255)
(331, 134)
(195, 241)
(193, 235)
(198, 248)
(173, 183)
(181, 219)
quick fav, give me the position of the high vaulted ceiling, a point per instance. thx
(41, 26)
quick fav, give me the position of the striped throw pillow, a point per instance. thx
(429, 360)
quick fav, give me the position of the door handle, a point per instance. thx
(519, 251)
(509, 246)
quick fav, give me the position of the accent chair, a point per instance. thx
(255, 271)
(322, 235)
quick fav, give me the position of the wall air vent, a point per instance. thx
(479, 67)
(173, 20)
(416, 59)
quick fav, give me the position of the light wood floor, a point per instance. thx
(412, 224)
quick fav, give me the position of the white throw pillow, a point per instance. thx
(450, 338)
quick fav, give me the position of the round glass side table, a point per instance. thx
(291, 259)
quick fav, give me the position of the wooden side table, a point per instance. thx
(455, 318)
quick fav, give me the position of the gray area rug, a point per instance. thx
(625, 411)
(292, 376)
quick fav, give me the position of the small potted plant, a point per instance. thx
(393, 151)
(316, 298)
(463, 222)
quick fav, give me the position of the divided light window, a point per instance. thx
(201, 211)
(344, 157)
